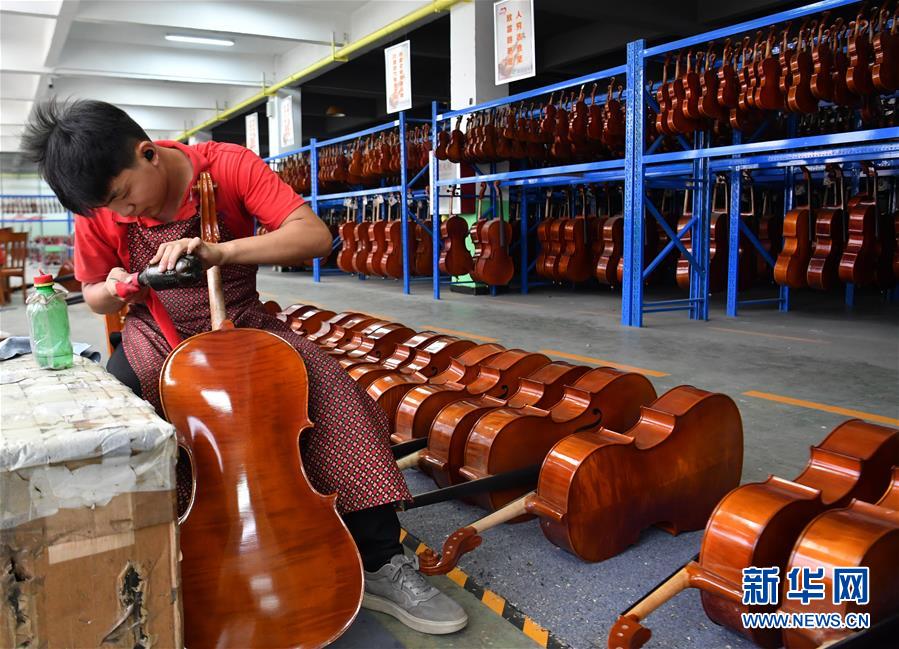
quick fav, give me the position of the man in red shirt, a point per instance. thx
(135, 207)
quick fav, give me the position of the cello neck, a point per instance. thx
(210, 233)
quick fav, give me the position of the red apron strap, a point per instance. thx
(163, 319)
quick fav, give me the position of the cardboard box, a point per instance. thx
(88, 538)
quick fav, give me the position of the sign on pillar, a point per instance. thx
(285, 114)
(399, 77)
(252, 125)
(513, 40)
(285, 121)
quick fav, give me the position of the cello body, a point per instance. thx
(455, 259)
(757, 524)
(857, 264)
(862, 534)
(452, 425)
(505, 439)
(494, 378)
(254, 518)
(670, 469)
(792, 262)
(266, 559)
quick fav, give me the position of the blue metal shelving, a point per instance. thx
(696, 165)
(318, 199)
(522, 180)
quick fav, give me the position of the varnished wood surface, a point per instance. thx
(758, 523)
(512, 438)
(267, 562)
(669, 469)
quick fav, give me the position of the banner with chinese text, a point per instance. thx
(252, 123)
(399, 77)
(513, 40)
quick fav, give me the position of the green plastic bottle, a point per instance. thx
(48, 319)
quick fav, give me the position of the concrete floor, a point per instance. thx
(820, 353)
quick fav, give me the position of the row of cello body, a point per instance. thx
(498, 427)
(841, 512)
(833, 238)
(596, 457)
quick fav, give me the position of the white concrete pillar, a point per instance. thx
(471, 55)
(472, 79)
(285, 126)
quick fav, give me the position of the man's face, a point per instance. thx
(140, 189)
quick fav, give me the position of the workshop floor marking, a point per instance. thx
(849, 412)
(492, 600)
(463, 334)
(603, 362)
(765, 335)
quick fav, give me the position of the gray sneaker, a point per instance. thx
(398, 589)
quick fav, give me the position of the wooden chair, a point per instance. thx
(15, 246)
(115, 322)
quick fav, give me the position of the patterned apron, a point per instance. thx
(348, 450)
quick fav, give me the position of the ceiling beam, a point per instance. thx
(140, 92)
(63, 24)
(88, 58)
(280, 20)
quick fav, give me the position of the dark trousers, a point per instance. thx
(376, 530)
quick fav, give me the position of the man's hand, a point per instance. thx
(211, 254)
(119, 275)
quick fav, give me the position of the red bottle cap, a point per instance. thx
(43, 279)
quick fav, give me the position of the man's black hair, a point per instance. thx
(79, 147)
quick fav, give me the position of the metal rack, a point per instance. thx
(523, 180)
(318, 199)
(696, 165)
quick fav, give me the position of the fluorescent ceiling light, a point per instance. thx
(200, 40)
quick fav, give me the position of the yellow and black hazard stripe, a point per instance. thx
(492, 600)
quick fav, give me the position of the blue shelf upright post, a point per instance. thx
(313, 170)
(783, 292)
(523, 238)
(634, 191)
(404, 205)
(434, 197)
(733, 243)
(699, 273)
